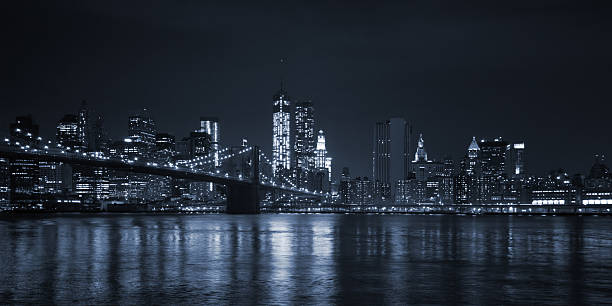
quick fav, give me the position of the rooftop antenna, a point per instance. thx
(282, 72)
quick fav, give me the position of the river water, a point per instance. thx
(306, 259)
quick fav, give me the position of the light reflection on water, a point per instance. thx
(305, 259)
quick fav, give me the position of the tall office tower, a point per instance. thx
(322, 161)
(210, 125)
(381, 159)
(304, 134)
(515, 165)
(68, 132)
(473, 154)
(515, 191)
(281, 132)
(83, 126)
(141, 130)
(304, 143)
(472, 168)
(461, 183)
(447, 182)
(391, 145)
(493, 159)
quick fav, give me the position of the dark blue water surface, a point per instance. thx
(306, 259)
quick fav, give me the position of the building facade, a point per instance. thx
(304, 144)
(390, 162)
(281, 133)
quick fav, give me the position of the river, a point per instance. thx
(305, 259)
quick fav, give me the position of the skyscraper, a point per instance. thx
(281, 132)
(68, 132)
(390, 162)
(515, 166)
(210, 125)
(322, 161)
(461, 184)
(467, 181)
(305, 141)
(83, 126)
(447, 182)
(304, 134)
(141, 130)
(493, 159)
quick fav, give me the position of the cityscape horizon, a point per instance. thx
(491, 172)
(305, 152)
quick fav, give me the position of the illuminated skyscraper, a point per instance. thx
(322, 161)
(493, 178)
(305, 141)
(141, 130)
(281, 135)
(304, 134)
(210, 125)
(473, 153)
(515, 167)
(472, 168)
(68, 131)
(83, 126)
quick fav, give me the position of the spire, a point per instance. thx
(282, 74)
(321, 140)
(473, 149)
(420, 154)
(474, 145)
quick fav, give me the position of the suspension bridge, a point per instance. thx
(245, 171)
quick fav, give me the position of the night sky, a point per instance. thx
(538, 71)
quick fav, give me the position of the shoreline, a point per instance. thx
(44, 214)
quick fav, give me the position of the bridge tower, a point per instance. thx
(243, 197)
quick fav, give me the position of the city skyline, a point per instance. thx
(305, 152)
(491, 81)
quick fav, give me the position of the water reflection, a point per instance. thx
(305, 259)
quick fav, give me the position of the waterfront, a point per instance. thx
(305, 259)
